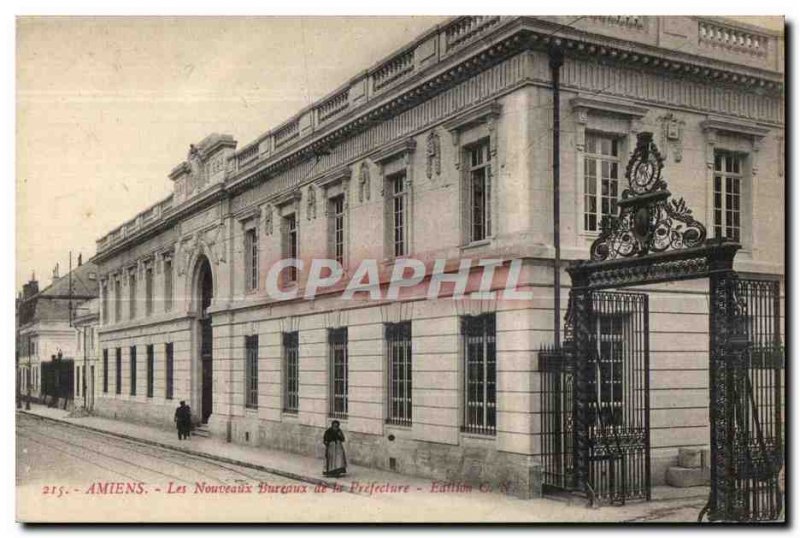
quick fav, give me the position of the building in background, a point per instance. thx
(85, 321)
(443, 150)
(45, 327)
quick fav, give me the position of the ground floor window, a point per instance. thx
(337, 351)
(169, 370)
(251, 371)
(398, 347)
(133, 370)
(150, 365)
(480, 374)
(118, 372)
(105, 371)
(291, 368)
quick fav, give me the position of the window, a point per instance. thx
(600, 180)
(148, 291)
(105, 371)
(398, 210)
(478, 192)
(480, 379)
(118, 373)
(133, 370)
(104, 302)
(290, 244)
(150, 367)
(251, 371)
(117, 299)
(336, 223)
(398, 346)
(607, 382)
(168, 284)
(132, 293)
(291, 368)
(337, 379)
(251, 259)
(728, 172)
(77, 381)
(169, 370)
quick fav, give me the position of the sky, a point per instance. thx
(107, 106)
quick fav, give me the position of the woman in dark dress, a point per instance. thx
(335, 460)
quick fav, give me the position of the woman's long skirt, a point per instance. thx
(335, 460)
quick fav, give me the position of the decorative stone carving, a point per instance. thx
(363, 183)
(266, 216)
(433, 163)
(216, 239)
(672, 136)
(311, 203)
(648, 220)
(187, 248)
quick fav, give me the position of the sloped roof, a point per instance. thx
(84, 283)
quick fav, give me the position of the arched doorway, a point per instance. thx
(205, 292)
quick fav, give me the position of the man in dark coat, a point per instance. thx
(183, 420)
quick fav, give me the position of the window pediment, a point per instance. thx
(582, 105)
(396, 150)
(736, 128)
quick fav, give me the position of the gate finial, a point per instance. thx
(648, 220)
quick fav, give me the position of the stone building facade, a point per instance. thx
(442, 151)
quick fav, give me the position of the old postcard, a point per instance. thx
(426, 269)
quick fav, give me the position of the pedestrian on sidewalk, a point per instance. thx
(335, 460)
(183, 420)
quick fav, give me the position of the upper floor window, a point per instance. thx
(168, 284)
(148, 291)
(104, 302)
(117, 299)
(601, 164)
(336, 224)
(478, 191)
(728, 191)
(398, 208)
(290, 244)
(132, 294)
(251, 259)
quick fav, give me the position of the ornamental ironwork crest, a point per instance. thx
(649, 221)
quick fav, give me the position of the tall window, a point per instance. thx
(291, 368)
(169, 366)
(117, 299)
(398, 346)
(251, 371)
(148, 291)
(105, 371)
(290, 244)
(607, 387)
(399, 213)
(251, 259)
(600, 180)
(478, 191)
(104, 302)
(728, 172)
(168, 284)
(336, 223)
(480, 379)
(337, 378)
(133, 370)
(77, 381)
(150, 367)
(118, 372)
(132, 294)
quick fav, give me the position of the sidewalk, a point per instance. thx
(424, 505)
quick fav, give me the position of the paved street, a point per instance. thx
(68, 473)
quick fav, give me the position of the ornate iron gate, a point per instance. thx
(617, 392)
(746, 408)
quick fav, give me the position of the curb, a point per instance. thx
(195, 453)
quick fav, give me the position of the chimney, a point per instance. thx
(80, 259)
(55, 272)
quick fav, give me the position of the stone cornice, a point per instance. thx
(341, 174)
(610, 106)
(479, 114)
(734, 127)
(396, 149)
